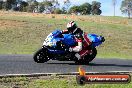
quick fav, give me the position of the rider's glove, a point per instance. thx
(102, 39)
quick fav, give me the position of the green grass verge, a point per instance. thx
(52, 82)
(21, 34)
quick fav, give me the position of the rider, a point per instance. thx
(81, 39)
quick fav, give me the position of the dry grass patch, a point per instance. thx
(11, 23)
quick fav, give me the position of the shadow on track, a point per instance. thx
(115, 65)
(95, 64)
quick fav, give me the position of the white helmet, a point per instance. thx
(71, 26)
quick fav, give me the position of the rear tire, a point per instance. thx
(88, 58)
(41, 56)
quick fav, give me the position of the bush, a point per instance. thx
(58, 11)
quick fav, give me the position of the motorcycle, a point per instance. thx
(56, 47)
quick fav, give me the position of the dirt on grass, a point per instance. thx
(11, 23)
(98, 19)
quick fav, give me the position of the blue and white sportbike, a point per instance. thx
(56, 47)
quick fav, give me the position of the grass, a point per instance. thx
(23, 33)
(52, 82)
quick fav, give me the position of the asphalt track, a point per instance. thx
(24, 64)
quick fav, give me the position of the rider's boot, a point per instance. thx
(77, 56)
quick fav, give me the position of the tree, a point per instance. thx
(41, 7)
(32, 5)
(85, 8)
(55, 4)
(23, 6)
(95, 8)
(1, 3)
(75, 9)
(126, 7)
(30, 1)
(114, 4)
(48, 6)
(9, 4)
(66, 6)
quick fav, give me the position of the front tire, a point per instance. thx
(41, 56)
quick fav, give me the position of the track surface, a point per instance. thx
(24, 64)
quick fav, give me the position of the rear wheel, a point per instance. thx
(41, 56)
(90, 57)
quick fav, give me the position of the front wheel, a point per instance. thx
(41, 56)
